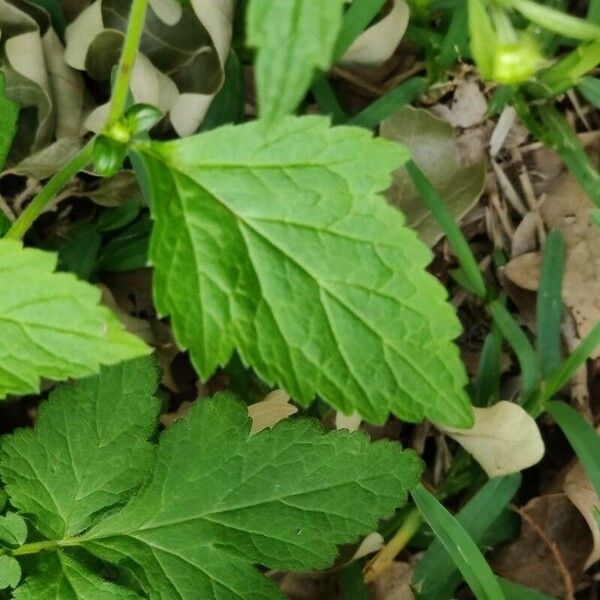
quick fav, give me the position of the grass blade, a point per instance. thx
(515, 591)
(460, 546)
(486, 387)
(589, 88)
(446, 221)
(549, 305)
(437, 567)
(522, 347)
(389, 103)
(582, 437)
(570, 366)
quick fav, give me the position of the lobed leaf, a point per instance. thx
(277, 244)
(283, 498)
(88, 451)
(218, 499)
(51, 324)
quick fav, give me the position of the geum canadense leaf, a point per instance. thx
(51, 324)
(277, 244)
(293, 38)
(216, 502)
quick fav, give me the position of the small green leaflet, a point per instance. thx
(59, 576)
(217, 500)
(277, 243)
(9, 112)
(13, 530)
(51, 324)
(293, 37)
(10, 572)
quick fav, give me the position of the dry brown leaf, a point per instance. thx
(393, 583)
(377, 43)
(503, 440)
(274, 408)
(567, 208)
(308, 586)
(370, 544)
(350, 422)
(468, 107)
(581, 493)
(551, 548)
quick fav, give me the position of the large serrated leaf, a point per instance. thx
(284, 498)
(218, 500)
(51, 324)
(277, 244)
(293, 37)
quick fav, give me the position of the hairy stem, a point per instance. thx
(135, 26)
(49, 192)
(36, 547)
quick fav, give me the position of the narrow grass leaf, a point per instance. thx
(515, 591)
(570, 366)
(589, 88)
(522, 347)
(582, 437)
(437, 568)
(549, 305)
(459, 545)
(389, 103)
(486, 387)
(450, 228)
(556, 21)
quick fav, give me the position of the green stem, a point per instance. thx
(120, 92)
(36, 547)
(49, 192)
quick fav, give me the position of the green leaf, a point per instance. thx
(9, 112)
(59, 576)
(293, 38)
(289, 255)
(555, 20)
(283, 498)
(88, 451)
(483, 37)
(10, 572)
(51, 324)
(514, 591)
(459, 545)
(437, 571)
(582, 437)
(549, 305)
(13, 529)
(217, 501)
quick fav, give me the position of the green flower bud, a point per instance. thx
(108, 155)
(516, 62)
